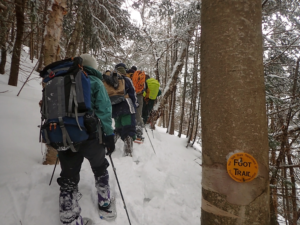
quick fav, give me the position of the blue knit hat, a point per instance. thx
(121, 65)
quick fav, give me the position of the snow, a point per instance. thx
(162, 188)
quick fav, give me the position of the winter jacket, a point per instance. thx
(130, 104)
(100, 101)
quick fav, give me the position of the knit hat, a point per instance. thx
(134, 68)
(89, 60)
(121, 65)
(121, 70)
(130, 71)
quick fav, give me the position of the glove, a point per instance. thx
(109, 143)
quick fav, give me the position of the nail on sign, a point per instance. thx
(242, 167)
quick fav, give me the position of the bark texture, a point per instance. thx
(233, 113)
(53, 31)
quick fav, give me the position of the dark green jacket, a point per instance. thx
(100, 101)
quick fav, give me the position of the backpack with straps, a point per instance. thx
(138, 80)
(152, 89)
(115, 86)
(66, 100)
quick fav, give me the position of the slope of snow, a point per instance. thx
(162, 188)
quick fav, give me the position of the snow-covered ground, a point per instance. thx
(159, 189)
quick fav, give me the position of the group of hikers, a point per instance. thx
(77, 109)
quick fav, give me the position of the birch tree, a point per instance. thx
(54, 31)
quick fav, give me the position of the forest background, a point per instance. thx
(165, 43)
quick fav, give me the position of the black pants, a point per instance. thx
(71, 162)
(147, 108)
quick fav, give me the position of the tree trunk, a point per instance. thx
(3, 37)
(233, 113)
(37, 43)
(12, 34)
(286, 194)
(197, 118)
(53, 31)
(75, 37)
(16, 54)
(183, 91)
(41, 55)
(194, 88)
(173, 109)
(189, 121)
(52, 49)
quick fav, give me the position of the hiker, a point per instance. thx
(138, 79)
(90, 149)
(134, 68)
(150, 94)
(124, 103)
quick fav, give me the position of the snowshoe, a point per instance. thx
(109, 212)
(139, 140)
(87, 221)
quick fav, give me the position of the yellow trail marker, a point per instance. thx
(242, 167)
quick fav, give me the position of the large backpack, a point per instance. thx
(152, 89)
(138, 80)
(115, 86)
(66, 99)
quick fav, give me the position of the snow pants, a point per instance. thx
(125, 126)
(69, 178)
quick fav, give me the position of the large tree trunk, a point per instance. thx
(233, 113)
(52, 49)
(53, 31)
(16, 54)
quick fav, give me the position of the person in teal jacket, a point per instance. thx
(90, 149)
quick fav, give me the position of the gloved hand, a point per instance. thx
(109, 143)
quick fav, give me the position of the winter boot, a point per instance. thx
(128, 146)
(103, 189)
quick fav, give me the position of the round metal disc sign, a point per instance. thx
(242, 167)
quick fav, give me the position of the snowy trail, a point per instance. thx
(162, 188)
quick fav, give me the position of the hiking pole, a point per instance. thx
(114, 169)
(53, 170)
(149, 139)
